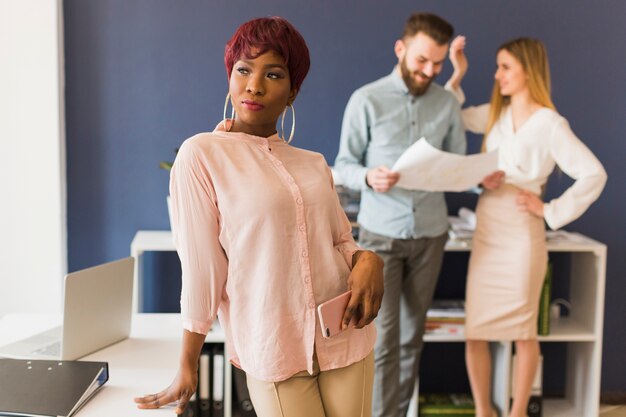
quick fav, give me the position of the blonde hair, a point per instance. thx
(532, 55)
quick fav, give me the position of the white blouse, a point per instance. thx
(529, 155)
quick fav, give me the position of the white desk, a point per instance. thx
(144, 363)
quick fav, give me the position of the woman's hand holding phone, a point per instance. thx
(366, 283)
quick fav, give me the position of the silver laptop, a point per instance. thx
(97, 311)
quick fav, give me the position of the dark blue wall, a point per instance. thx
(143, 75)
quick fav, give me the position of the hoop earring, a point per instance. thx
(293, 124)
(232, 114)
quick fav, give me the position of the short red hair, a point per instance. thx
(270, 33)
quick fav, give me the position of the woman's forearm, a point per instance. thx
(190, 350)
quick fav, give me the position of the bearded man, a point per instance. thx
(408, 229)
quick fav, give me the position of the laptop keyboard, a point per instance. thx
(53, 349)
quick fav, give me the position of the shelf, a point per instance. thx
(566, 329)
(561, 242)
(563, 329)
(559, 408)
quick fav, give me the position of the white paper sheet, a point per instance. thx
(424, 167)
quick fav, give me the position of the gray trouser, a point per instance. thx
(411, 270)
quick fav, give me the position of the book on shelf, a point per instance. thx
(444, 329)
(543, 319)
(446, 317)
(446, 308)
(48, 388)
(460, 235)
(461, 227)
(535, 407)
(445, 404)
(556, 236)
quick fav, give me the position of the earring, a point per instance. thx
(293, 124)
(232, 113)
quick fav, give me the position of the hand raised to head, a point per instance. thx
(457, 55)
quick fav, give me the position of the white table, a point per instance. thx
(144, 363)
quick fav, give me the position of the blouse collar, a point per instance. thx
(226, 124)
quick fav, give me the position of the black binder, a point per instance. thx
(191, 410)
(217, 398)
(48, 388)
(244, 404)
(205, 377)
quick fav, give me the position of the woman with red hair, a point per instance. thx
(262, 241)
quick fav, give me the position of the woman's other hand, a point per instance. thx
(458, 60)
(186, 380)
(366, 283)
(493, 181)
(180, 390)
(530, 202)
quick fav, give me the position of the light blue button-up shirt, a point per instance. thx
(380, 122)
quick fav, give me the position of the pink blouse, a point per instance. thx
(262, 240)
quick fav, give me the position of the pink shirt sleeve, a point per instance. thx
(196, 231)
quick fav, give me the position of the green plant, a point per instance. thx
(166, 165)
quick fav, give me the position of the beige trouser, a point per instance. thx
(343, 392)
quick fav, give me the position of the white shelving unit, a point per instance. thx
(581, 330)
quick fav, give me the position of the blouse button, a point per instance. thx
(304, 254)
(302, 228)
(311, 304)
(299, 200)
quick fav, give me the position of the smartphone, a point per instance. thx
(331, 314)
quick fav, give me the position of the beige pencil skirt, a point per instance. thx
(506, 269)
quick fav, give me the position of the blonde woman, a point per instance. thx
(509, 256)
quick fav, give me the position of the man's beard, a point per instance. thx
(415, 88)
